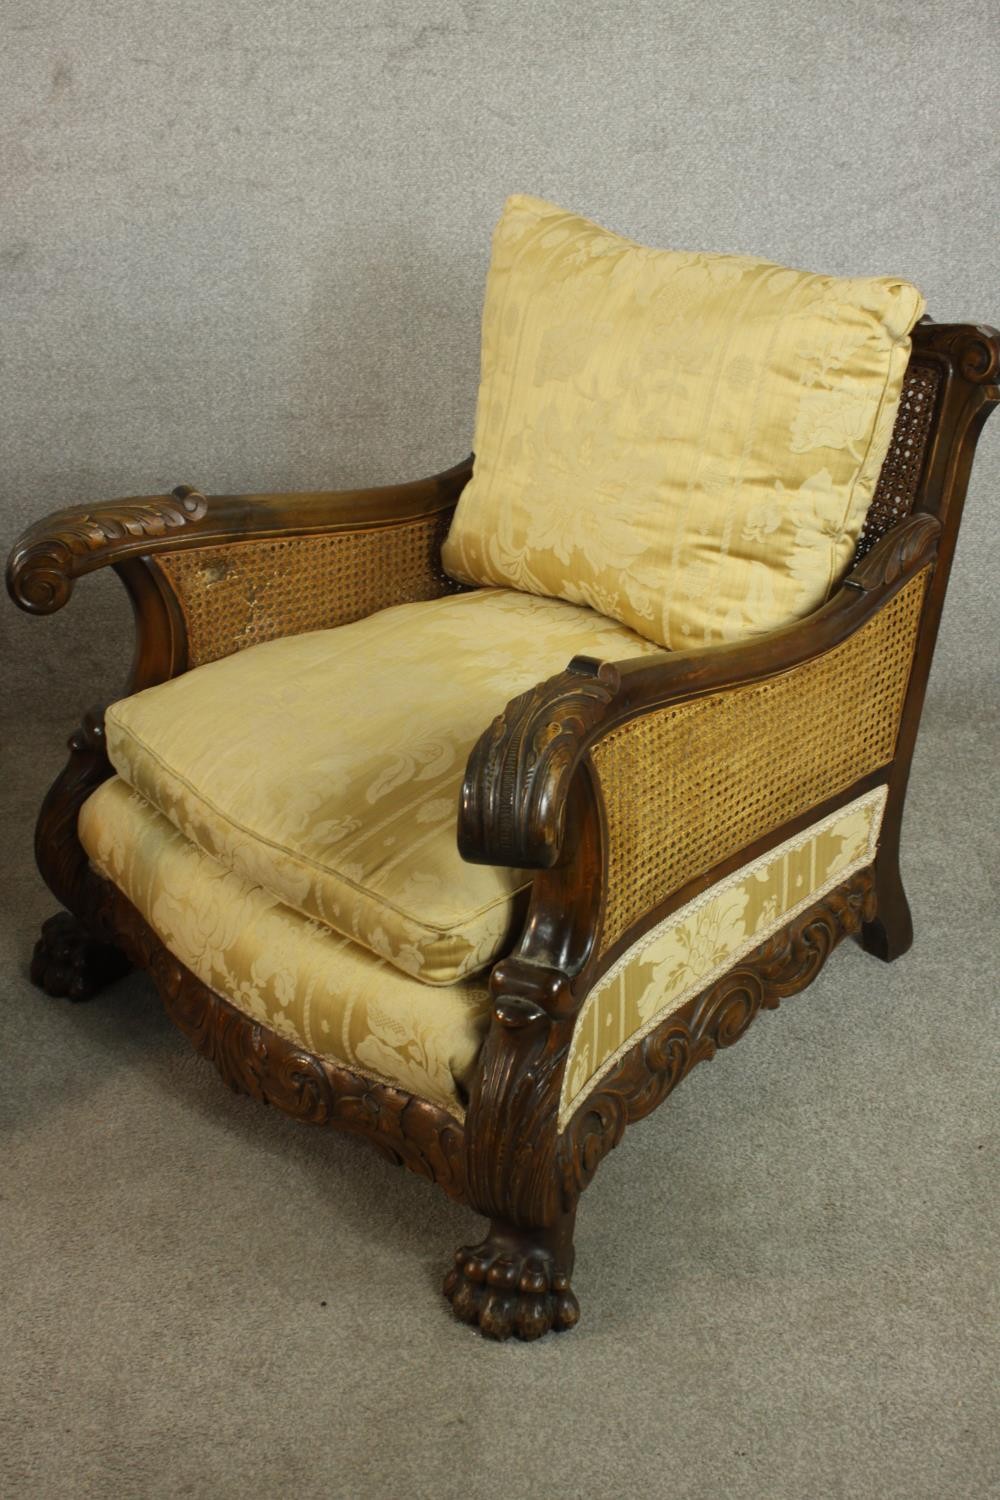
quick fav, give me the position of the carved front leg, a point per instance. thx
(528, 802)
(69, 964)
(75, 956)
(516, 1281)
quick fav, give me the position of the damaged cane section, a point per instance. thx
(242, 593)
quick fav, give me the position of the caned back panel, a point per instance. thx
(899, 479)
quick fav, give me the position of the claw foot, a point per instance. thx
(509, 1286)
(68, 964)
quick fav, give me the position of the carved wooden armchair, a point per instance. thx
(659, 843)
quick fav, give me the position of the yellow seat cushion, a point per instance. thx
(687, 442)
(305, 982)
(326, 768)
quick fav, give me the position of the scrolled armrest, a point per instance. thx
(513, 802)
(54, 552)
(514, 795)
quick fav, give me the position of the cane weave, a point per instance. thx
(241, 593)
(903, 465)
(685, 787)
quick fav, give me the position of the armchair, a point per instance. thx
(685, 835)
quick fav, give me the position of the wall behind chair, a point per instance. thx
(244, 242)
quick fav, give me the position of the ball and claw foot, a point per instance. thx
(507, 1293)
(69, 965)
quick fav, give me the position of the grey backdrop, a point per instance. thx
(244, 247)
(244, 244)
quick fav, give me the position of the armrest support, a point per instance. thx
(517, 780)
(54, 552)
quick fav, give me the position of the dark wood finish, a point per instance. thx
(905, 465)
(61, 857)
(56, 551)
(126, 535)
(968, 361)
(526, 808)
(513, 802)
(516, 1283)
(52, 554)
(530, 800)
(69, 964)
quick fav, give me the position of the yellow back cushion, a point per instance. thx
(686, 442)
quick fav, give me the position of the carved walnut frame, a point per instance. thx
(531, 799)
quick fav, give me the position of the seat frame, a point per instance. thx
(531, 799)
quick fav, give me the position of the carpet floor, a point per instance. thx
(788, 1274)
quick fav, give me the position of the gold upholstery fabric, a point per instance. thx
(697, 944)
(325, 768)
(687, 442)
(294, 975)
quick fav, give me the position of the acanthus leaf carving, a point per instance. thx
(512, 809)
(49, 556)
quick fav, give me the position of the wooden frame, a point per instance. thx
(531, 799)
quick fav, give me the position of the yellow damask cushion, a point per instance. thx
(303, 981)
(687, 442)
(326, 768)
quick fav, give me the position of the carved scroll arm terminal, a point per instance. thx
(54, 552)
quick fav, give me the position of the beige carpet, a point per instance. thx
(788, 1275)
(244, 249)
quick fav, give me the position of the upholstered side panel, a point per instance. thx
(689, 786)
(695, 945)
(242, 593)
(302, 980)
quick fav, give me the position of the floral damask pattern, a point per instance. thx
(326, 768)
(686, 442)
(294, 975)
(695, 945)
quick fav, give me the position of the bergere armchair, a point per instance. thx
(701, 557)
